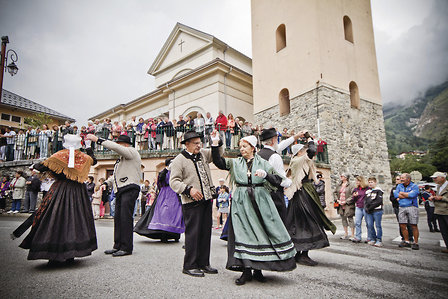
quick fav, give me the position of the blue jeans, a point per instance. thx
(29, 205)
(359, 214)
(228, 139)
(16, 205)
(112, 207)
(375, 217)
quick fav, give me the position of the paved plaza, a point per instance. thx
(345, 270)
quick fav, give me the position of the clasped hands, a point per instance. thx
(435, 197)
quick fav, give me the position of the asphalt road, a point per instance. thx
(345, 270)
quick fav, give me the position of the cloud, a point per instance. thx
(412, 61)
(83, 57)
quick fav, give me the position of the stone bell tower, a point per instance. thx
(314, 66)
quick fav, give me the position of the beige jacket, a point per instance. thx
(96, 197)
(183, 174)
(441, 206)
(18, 191)
(299, 167)
(128, 169)
(348, 210)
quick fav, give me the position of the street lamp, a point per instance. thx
(12, 67)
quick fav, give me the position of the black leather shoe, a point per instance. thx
(193, 272)
(258, 276)
(246, 276)
(110, 251)
(209, 270)
(121, 253)
(305, 260)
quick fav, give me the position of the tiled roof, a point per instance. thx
(14, 100)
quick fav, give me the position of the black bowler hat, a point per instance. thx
(268, 133)
(124, 139)
(190, 135)
(168, 161)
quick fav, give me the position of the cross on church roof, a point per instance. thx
(180, 44)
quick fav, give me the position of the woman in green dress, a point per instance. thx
(258, 239)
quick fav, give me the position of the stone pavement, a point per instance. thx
(345, 270)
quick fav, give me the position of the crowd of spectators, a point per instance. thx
(153, 134)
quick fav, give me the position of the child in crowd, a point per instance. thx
(374, 213)
(96, 201)
(151, 197)
(223, 205)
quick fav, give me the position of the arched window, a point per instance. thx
(280, 37)
(348, 29)
(283, 100)
(354, 95)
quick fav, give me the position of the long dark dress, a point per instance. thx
(164, 219)
(63, 227)
(306, 220)
(257, 237)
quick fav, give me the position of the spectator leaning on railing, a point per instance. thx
(10, 134)
(146, 135)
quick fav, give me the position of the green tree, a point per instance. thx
(439, 153)
(410, 164)
(37, 120)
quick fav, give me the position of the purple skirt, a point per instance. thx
(164, 219)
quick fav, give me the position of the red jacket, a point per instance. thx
(221, 123)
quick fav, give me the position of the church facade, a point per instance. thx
(194, 72)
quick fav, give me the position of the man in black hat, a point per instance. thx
(125, 181)
(191, 178)
(269, 152)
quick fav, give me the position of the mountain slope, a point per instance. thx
(415, 126)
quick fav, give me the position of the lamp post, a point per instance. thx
(12, 67)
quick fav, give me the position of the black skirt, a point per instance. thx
(63, 227)
(304, 224)
(141, 227)
(236, 264)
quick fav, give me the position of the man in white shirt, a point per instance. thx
(270, 152)
(441, 205)
(10, 140)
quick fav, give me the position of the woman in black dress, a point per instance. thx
(63, 227)
(306, 219)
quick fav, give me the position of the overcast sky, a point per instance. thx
(83, 57)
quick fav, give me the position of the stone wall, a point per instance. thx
(356, 137)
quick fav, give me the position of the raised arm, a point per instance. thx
(312, 149)
(218, 160)
(274, 179)
(126, 152)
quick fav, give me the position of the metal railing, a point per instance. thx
(162, 140)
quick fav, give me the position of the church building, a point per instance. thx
(194, 72)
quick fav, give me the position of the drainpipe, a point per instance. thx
(224, 52)
(225, 89)
(317, 109)
(174, 99)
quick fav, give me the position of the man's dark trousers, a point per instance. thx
(279, 201)
(198, 232)
(29, 205)
(124, 217)
(10, 152)
(443, 226)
